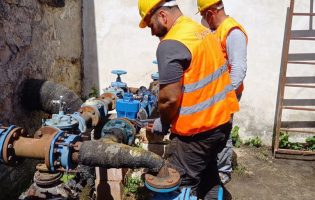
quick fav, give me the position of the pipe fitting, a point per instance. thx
(122, 126)
(49, 143)
(109, 154)
(39, 94)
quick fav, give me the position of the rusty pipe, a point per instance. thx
(110, 99)
(87, 118)
(18, 144)
(31, 147)
(93, 111)
(105, 153)
(109, 102)
(109, 154)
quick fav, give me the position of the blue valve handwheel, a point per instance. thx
(118, 72)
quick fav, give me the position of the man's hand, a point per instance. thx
(158, 128)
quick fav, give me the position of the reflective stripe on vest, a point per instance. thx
(208, 103)
(207, 80)
(222, 33)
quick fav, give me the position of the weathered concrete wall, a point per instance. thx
(121, 44)
(90, 56)
(36, 41)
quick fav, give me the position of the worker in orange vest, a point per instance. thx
(233, 39)
(196, 98)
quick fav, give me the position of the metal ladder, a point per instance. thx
(302, 82)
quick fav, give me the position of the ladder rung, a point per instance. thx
(300, 85)
(302, 35)
(301, 56)
(299, 102)
(300, 79)
(302, 38)
(303, 63)
(298, 108)
(296, 152)
(297, 124)
(294, 156)
(303, 14)
(296, 130)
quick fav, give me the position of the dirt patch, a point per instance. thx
(259, 176)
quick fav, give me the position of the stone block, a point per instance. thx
(116, 174)
(109, 190)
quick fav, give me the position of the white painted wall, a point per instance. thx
(121, 44)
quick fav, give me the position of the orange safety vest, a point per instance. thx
(222, 32)
(208, 97)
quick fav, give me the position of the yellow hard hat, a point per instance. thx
(145, 7)
(203, 4)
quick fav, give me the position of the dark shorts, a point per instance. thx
(195, 157)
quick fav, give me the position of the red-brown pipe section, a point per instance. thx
(32, 147)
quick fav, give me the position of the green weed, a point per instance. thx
(254, 142)
(94, 92)
(310, 143)
(132, 184)
(236, 140)
(66, 177)
(240, 170)
(286, 144)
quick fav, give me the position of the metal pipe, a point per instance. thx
(109, 102)
(108, 154)
(87, 118)
(31, 147)
(38, 94)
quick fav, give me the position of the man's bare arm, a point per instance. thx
(169, 101)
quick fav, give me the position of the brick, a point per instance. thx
(109, 190)
(116, 174)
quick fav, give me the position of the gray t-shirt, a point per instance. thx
(173, 59)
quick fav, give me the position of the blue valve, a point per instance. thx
(118, 72)
(118, 82)
(155, 76)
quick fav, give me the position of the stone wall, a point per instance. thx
(38, 41)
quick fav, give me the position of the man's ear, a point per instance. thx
(210, 13)
(163, 16)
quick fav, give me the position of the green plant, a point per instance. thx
(295, 146)
(286, 144)
(236, 140)
(239, 169)
(310, 143)
(94, 92)
(132, 184)
(254, 142)
(66, 177)
(284, 140)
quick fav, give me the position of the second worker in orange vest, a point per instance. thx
(233, 39)
(196, 96)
